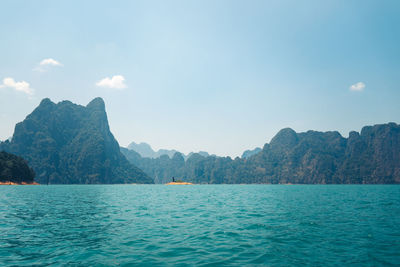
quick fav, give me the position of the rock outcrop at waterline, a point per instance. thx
(15, 170)
(67, 143)
(369, 157)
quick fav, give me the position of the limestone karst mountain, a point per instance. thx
(369, 157)
(67, 143)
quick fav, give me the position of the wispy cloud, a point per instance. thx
(115, 82)
(357, 87)
(47, 63)
(17, 86)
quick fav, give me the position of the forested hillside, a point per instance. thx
(369, 157)
(67, 143)
(15, 169)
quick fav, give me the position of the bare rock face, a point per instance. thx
(67, 143)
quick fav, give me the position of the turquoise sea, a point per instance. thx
(201, 225)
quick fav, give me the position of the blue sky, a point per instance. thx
(219, 76)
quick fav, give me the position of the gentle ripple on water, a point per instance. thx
(204, 225)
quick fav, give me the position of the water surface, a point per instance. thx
(232, 225)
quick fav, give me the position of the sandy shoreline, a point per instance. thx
(178, 183)
(23, 183)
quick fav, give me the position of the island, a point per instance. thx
(177, 182)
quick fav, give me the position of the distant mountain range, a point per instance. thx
(369, 157)
(67, 143)
(146, 151)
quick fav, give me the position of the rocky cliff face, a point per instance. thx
(371, 157)
(325, 158)
(67, 143)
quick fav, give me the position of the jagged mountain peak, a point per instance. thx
(46, 101)
(69, 143)
(285, 138)
(96, 103)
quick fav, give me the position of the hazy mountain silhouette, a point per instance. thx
(146, 151)
(248, 153)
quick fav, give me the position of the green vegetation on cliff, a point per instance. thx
(369, 157)
(67, 143)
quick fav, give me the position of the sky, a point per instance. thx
(217, 76)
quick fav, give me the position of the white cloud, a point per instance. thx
(50, 61)
(46, 63)
(357, 87)
(116, 82)
(17, 86)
